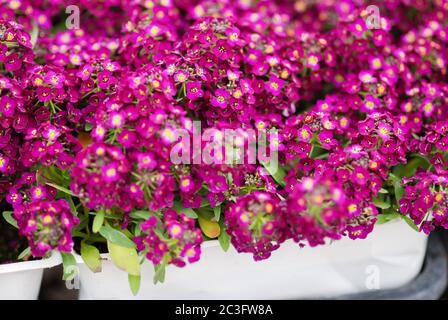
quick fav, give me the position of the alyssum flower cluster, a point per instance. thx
(88, 120)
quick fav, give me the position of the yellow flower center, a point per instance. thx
(384, 131)
(47, 219)
(274, 85)
(181, 77)
(154, 30)
(312, 60)
(305, 134)
(111, 172)
(185, 182)
(175, 230)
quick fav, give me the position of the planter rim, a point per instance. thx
(53, 260)
(215, 243)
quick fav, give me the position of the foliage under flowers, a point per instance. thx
(11, 244)
(88, 119)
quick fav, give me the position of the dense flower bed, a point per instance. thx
(89, 117)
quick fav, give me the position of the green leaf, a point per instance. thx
(98, 221)
(277, 172)
(83, 222)
(34, 34)
(159, 275)
(187, 211)
(398, 172)
(70, 266)
(71, 204)
(116, 237)
(134, 283)
(141, 214)
(217, 212)
(411, 223)
(210, 228)
(124, 258)
(229, 179)
(12, 44)
(10, 219)
(204, 203)
(207, 213)
(393, 177)
(383, 191)
(62, 189)
(91, 257)
(78, 234)
(190, 213)
(381, 204)
(137, 230)
(224, 240)
(24, 253)
(398, 188)
(88, 127)
(386, 217)
(52, 175)
(106, 215)
(399, 191)
(415, 163)
(317, 151)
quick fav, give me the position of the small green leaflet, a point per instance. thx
(206, 203)
(217, 212)
(98, 221)
(116, 237)
(91, 257)
(159, 275)
(386, 217)
(62, 189)
(34, 34)
(398, 188)
(24, 253)
(141, 215)
(317, 151)
(9, 218)
(187, 211)
(275, 171)
(134, 283)
(415, 163)
(381, 204)
(124, 258)
(88, 127)
(224, 240)
(411, 223)
(71, 204)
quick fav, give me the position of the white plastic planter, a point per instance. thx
(390, 257)
(21, 280)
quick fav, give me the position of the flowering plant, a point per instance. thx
(92, 119)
